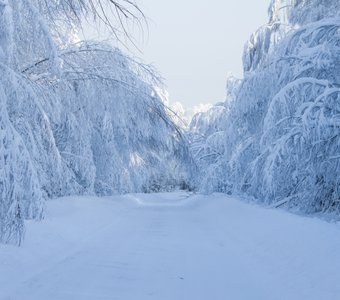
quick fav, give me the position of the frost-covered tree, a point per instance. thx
(77, 117)
(282, 133)
(207, 135)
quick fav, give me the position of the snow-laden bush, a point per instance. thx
(282, 133)
(76, 117)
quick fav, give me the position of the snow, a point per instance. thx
(275, 136)
(171, 246)
(182, 115)
(77, 117)
(82, 118)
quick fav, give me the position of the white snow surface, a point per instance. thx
(171, 246)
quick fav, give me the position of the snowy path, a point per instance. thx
(171, 247)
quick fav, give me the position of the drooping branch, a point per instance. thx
(116, 15)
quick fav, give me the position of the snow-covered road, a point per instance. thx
(171, 247)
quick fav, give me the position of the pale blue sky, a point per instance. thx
(195, 43)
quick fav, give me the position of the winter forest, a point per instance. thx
(85, 118)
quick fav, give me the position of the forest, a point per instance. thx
(84, 118)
